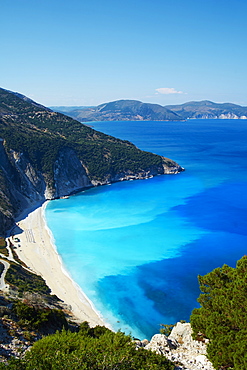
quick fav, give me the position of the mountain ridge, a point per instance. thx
(134, 110)
(124, 110)
(207, 109)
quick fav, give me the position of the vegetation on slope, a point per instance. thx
(40, 134)
(25, 281)
(222, 317)
(29, 318)
(28, 311)
(95, 349)
(26, 316)
(35, 317)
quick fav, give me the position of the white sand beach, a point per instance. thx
(37, 251)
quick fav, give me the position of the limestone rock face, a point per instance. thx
(69, 174)
(21, 186)
(31, 183)
(181, 348)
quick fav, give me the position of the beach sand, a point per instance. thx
(38, 252)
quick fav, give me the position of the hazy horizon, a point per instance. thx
(79, 53)
(89, 106)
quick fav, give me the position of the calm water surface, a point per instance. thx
(136, 248)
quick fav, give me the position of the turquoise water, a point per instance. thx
(137, 247)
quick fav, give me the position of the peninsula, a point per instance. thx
(46, 155)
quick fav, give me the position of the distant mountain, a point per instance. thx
(66, 109)
(122, 110)
(133, 110)
(206, 109)
(47, 155)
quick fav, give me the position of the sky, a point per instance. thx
(88, 52)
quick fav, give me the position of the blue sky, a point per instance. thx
(87, 52)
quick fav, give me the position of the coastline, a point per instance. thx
(37, 250)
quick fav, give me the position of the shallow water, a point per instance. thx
(137, 247)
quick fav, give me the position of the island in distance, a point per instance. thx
(121, 110)
(133, 110)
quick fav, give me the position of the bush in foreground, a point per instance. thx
(222, 317)
(93, 349)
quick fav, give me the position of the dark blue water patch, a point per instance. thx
(222, 208)
(166, 291)
(206, 229)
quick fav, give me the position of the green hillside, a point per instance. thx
(41, 151)
(41, 133)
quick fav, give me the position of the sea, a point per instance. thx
(136, 248)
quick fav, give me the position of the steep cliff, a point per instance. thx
(46, 155)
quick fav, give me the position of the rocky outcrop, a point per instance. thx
(168, 167)
(230, 115)
(69, 174)
(181, 348)
(31, 183)
(21, 186)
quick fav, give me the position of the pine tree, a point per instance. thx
(222, 317)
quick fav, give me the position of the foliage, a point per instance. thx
(5, 204)
(2, 242)
(34, 317)
(166, 329)
(222, 317)
(1, 267)
(25, 280)
(93, 349)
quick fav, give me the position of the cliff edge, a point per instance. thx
(180, 348)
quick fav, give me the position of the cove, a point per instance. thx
(136, 248)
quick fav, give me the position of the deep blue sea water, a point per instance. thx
(136, 248)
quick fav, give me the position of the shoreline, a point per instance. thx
(37, 249)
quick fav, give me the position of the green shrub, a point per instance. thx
(26, 281)
(99, 349)
(166, 329)
(105, 350)
(32, 317)
(222, 317)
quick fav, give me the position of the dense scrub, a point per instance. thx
(26, 281)
(34, 317)
(3, 249)
(94, 349)
(222, 317)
